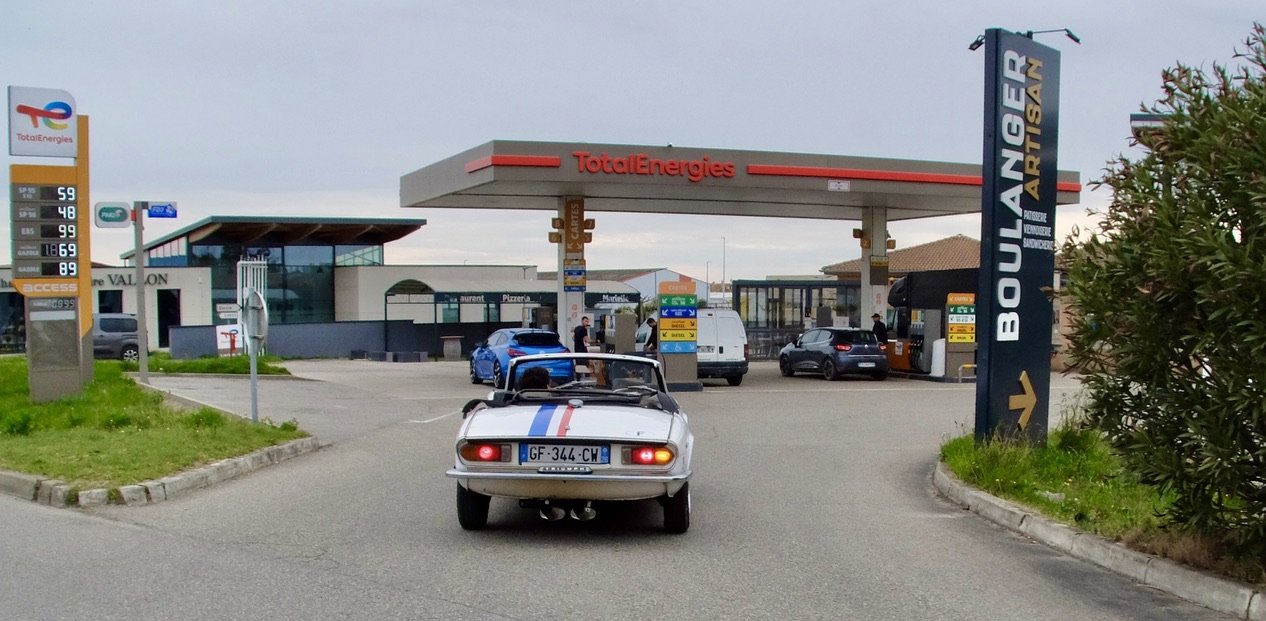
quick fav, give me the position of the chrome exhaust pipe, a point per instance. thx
(552, 513)
(585, 513)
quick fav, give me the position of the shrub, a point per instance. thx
(1169, 293)
(17, 423)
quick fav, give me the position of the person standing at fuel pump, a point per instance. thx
(880, 330)
(580, 337)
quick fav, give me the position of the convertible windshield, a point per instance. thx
(568, 371)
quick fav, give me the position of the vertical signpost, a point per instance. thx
(960, 314)
(139, 210)
(571, 234)
(679, 334)
(50, 241)
(1017, 247)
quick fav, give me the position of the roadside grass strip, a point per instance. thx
(115, 433)
(1077, 479)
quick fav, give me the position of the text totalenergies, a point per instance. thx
(643, 164)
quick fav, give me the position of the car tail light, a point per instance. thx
(485, 452)
(745, 354)
(515, 353)
(844, 347)
(648, 455)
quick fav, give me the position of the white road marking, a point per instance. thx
(431, 420)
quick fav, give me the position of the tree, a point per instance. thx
(1171, 300)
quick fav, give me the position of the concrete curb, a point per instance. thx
(1213, 592)
(57, 494)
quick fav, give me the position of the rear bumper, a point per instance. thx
(531, 485)
(722, 369)
(853, 364)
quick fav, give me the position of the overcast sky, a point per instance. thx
(318, 107)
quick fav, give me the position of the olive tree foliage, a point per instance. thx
(1170, 300)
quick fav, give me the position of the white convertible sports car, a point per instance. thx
(608, 431)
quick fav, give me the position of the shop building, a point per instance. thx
(328, 291)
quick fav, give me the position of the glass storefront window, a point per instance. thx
(357, 254)
(450, 312)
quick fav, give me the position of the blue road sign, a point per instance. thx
(678, 347)
(678, 312)
(161, 210)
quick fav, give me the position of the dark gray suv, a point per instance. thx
(114, 336)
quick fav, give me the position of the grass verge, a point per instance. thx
(115, 433)
(1079, 480)
(162, 362)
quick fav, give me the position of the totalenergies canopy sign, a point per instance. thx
(42, 122)
(695, 170)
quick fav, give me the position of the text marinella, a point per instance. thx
(643, 164)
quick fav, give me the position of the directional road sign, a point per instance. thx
(161, 210)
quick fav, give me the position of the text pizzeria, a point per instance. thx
(643, 164)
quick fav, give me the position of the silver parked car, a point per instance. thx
(114, 336)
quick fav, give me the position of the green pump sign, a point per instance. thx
(113, 215)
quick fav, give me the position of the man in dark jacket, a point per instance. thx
(580, 337)
(880, 330)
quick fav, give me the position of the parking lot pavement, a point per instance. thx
(350, 398)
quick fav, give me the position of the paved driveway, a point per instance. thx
(812, 500)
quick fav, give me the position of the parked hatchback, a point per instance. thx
(114, 336)
(835, 352)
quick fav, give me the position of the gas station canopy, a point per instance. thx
(685, 180)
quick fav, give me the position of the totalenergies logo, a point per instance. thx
(51, 113)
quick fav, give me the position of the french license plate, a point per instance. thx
(564, 454)
(865, 365)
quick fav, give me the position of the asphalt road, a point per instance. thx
(812, 500)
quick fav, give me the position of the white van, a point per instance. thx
(722, 341)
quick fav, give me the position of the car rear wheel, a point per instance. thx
(828, 370)
(474, 376)
(734, 380)
(784, 367)
(677, 511)
(472, 509)
(131, 353)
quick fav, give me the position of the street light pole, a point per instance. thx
(724, 283)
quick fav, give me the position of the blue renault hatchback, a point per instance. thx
(492, 357)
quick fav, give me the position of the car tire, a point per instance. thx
(131, 353)
(472, 509)
(498, 379)
(828, 370)
(879, 377)
(734, 380)
(677, 511)
(784, 367)
(474, 376)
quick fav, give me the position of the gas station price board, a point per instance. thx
(45, 230)
(960, 312)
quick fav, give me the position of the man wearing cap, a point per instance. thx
(880, 330)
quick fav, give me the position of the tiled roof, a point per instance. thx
(951, 253)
